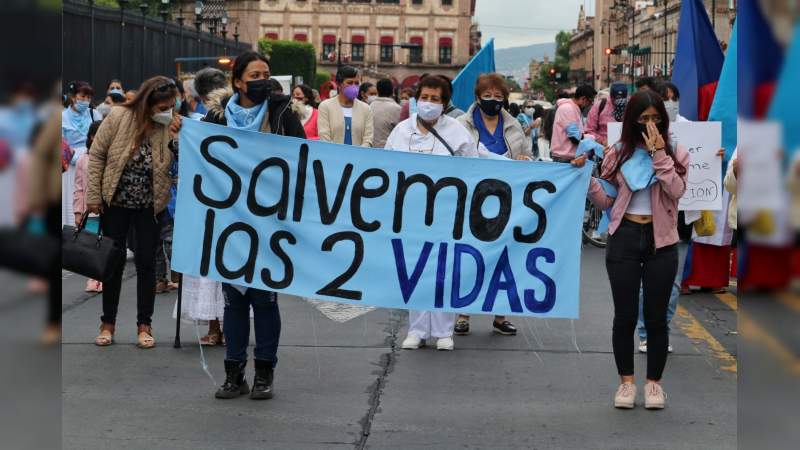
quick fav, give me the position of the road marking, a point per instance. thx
(753, 332)
(789, 300)
(730, 300)
(339, 312)
(692, 328)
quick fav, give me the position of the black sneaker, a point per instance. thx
(506, 328)
(262, 384)
(235, 384)
(461, 328)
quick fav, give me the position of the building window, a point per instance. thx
(271, 35)
(387, 53)
(416, 2)
(415, 54)
(447, 2)
(328, 46)
(394, 2)
(446, 50)
(300, 37)
(357, 53)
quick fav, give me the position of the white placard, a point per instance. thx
(760, 180)
(702, 140)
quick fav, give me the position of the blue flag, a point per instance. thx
(787, 96)
(464, 83)
(378, 227)
(725, 100)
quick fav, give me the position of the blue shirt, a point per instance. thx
(348, 131)
(494, 142)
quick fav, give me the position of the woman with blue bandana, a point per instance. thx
(75, 121)
(646, 177)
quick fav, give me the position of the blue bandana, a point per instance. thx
(249, 119)
(638, 170)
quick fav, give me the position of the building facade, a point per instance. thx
(650, 28)
(370, 32)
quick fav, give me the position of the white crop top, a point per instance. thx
(640, 203)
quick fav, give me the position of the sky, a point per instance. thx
(515, 23)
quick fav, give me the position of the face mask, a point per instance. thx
(672, 107)
(298, 101)
(428, 111)
(333, 93)
(490, 106)
(258, 90)
(371, 98)
(178, 103)
(619, 108)
(104, 109)
(351, 92)
(81, 105)
(403, 102)
(164, 117)
(529, 111)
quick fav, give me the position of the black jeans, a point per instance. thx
(266, 323)
(116, 223)
(632, 260)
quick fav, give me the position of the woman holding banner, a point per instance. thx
(251, 106)
(429, 131)
(643, 178)
(500, 133)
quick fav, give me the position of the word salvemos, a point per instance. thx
(373, 183)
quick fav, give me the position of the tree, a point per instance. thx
(548, 83)
(290, 58)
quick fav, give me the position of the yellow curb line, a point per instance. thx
(791, 301)
(730, 300)
(692, 328)
(753, 332)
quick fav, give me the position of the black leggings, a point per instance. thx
(632, 261)
(116, 222)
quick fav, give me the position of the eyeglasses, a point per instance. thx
(419, 143)
(655, 118)
(165, 86)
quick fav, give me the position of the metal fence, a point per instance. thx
(101, 44)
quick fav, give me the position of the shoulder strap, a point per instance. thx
(602, 106)
(435, 134)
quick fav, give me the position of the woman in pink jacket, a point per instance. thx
(79, 196)
(643, 178)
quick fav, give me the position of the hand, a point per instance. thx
(94, 208)
(580, 161)
(653, 138)
(78, 218)
(175, 126)
(522, 158)
(721, 152)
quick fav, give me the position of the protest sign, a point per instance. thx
(702, 140)
(379, 228)
(760, 182)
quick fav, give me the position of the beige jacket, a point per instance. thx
(111, 150)
(330, 122)
(517, 143)
(44, 180)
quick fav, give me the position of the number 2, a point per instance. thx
(333, 288)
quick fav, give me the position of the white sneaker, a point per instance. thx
(654, 396)
(642, 346)
(625, 396)
(445, 344)
(669, 348)
(411, 342)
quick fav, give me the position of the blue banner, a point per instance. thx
(377, 227)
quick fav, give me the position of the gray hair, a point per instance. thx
(207, 80)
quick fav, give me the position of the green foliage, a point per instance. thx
(548, 84)
(290, 58)
(153, 10)
(323, 76)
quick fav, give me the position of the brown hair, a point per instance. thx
(151, 92)
(435, 82)
(491, 81)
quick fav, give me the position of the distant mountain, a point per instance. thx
(515, 60)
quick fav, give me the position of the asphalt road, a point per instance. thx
(346, 384)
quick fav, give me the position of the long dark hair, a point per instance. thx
(631, 136)
(307, 93)
(151, 92)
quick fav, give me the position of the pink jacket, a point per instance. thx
(665, 194)
(567, 112)
(81, 178)
(597, 122)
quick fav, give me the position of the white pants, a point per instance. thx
(427, 324)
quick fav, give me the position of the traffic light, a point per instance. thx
(609, 51)
(552, 72)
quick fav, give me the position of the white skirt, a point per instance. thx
(201, 300)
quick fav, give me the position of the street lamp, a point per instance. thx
(236, 34)
(224, 31)
(198, 20)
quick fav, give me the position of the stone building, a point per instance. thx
(371, 32)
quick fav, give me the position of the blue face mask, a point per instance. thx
(81, 105)
(638, 170)
(178, 103)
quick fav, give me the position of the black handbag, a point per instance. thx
(28, 253)
(91, 255)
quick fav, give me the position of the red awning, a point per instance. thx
(387, 40)
(416, 40)
(301, 37)
(358, 39)
(410, 81)
(445, 42)
(273, 36)
(329, 39)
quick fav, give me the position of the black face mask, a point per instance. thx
(491, 107)
(258, 90)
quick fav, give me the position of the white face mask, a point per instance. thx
(371, 98)
(164, 117)
(672, 107)
(104, 109)
(428, 111)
